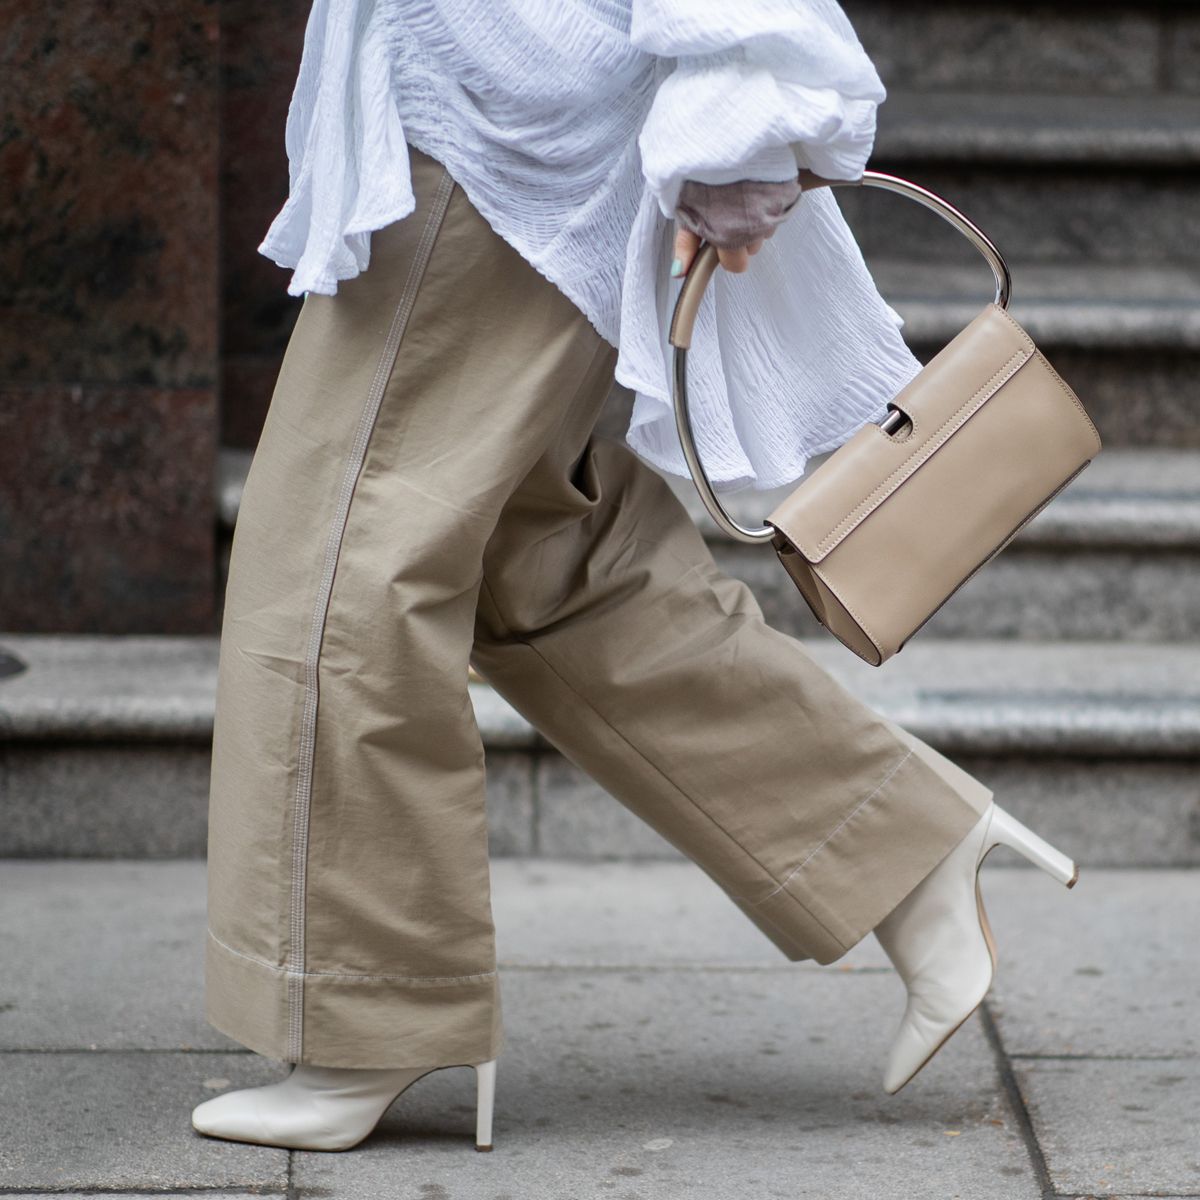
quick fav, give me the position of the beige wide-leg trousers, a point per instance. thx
(427, 492)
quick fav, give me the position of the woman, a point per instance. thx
(427, 491)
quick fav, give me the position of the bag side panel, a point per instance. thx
(868, 468)
(898, 567)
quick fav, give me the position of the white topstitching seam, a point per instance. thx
(269, 966)
(295, 971)
(833, 833)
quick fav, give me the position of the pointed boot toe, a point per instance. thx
(233, 1116)
(930, 1021)
(940, 943)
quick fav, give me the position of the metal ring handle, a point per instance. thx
(703, 267)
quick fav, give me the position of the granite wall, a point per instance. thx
(141, 160)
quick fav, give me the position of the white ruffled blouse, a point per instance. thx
(571, 125)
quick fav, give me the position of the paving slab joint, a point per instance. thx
(1016, 1101)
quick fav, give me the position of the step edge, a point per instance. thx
(980, 723)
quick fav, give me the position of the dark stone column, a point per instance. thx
(261, 48)
(108, 315)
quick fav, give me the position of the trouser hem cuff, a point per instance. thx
(354, 1021)
(886, 848)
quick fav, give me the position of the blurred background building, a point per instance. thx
(141, 161)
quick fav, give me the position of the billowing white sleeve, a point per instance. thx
(759, 87)
(791, 357)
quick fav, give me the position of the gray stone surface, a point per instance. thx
(1064, 988)
(1100, 735)
(232, 465)
(697, 1084)
(504, 728)
(1103, 215)
(1004, 47)
(572, 914)
(1135, 400)
(93, 687)
(1123, 1127)
(1135, 308)
(1007, 127)
(510, 802)
(1137, 814)
(127, 939)
(578, 818)
(1082, 698)
(103, 799)
(657, 1043)
(1183, 52)
(1064, 698)
(121, 1120)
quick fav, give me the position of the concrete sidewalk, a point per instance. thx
(658, 1047)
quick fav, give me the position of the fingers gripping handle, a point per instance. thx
(702, 269)
(683, 324)
(688, 303)
(687, 306)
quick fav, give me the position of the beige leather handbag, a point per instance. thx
(898, 518)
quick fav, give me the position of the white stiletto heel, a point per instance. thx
(940, 942)
(485, 1098)
(326, 1108)
(1006, 830)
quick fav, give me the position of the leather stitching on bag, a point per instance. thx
(936, 440)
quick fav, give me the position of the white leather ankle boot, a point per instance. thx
(940, 942)
(326, 1108)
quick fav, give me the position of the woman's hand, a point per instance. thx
(734, 217)
(687, 243)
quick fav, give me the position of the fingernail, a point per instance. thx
(677, 267)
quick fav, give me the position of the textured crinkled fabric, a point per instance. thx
(572, 125)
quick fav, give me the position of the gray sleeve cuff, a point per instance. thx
(732, 215)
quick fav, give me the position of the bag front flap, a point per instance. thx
(861, 474)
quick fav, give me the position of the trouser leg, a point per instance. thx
(349, 906)
(604, 619)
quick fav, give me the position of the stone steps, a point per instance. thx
(1089, 307)
(105, 747)
(1076, 47)
(1032, 128)
(1127, 339)
(1115, 556)
(1111, 179)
